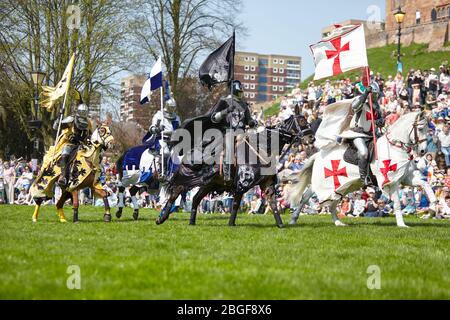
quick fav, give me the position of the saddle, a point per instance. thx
(351, 157)
(351, 154)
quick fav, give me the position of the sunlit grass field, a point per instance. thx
(139, 260)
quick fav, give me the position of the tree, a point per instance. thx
(181, 30)
(37, 34)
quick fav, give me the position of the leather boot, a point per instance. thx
(363, 171)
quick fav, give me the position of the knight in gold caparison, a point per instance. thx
(76, 129)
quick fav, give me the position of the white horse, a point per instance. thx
(331, 178)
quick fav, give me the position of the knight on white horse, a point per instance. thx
(163, 125)
(151, 164)
(334, 172)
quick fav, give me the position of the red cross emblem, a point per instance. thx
(335, 172)
(336, 54)
(369, 118)
(387, 168)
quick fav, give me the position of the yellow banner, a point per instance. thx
(51, 94)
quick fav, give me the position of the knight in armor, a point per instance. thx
(161, 129)
(75, 131)
(229, 113)
(361, 124)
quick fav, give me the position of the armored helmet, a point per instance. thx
(237, 88)
(375, 91)
(170, 108)
(81, 116)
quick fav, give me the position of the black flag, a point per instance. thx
(219, 66)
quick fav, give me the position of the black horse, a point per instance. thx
(293, 131)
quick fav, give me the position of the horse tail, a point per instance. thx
(119, 166)
(301, 181)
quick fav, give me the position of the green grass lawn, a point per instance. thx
(139, 260)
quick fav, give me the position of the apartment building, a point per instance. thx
(266, 77)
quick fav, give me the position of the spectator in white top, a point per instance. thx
(444, 138)
(359, 205)
(312, 95)
(286, 113)
(444, 79)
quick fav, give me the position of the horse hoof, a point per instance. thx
(340, 224)
(292, 223)
(107, 218)
(280, 226)
(403, 226)
(136, 215)
(34, 220)
(192, 223)
(119, 214)
(158, 222)
(62, 220)
(232, 225)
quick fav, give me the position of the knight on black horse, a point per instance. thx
(221, 171)
(230, 115)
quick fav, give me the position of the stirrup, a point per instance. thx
(367, 181)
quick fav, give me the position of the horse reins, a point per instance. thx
(408, 147)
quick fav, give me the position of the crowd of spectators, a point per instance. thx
(426, 90)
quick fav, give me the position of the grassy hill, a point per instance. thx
(384, 60)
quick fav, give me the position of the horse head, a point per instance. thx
(102, 137)
(415, 135)
(420, 133)
(299, 129)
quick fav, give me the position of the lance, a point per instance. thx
(162, 132)
(373, 116)
(62, 108)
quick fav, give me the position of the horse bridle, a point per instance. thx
(102, 137)
(408, 147)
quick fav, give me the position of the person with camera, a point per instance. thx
(371, 205)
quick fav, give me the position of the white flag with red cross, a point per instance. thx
(344, 51)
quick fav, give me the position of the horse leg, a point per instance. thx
(166, 210)
(333, 210)
(121, 203)
(196, 202)
(236, 204)
(75, 206)
(271, 196)
(296, 214)
(104, 195)
(37, 207)
(397, 207)
(60, 206)
(133, 191)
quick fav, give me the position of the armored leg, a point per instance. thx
(63, 180)
(363, 164)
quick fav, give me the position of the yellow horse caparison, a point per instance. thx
(85, 174)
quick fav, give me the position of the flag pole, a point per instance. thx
(231, 105)
(63, 107)
(162, 132)
(373, 116)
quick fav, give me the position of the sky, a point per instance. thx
(290, 26)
